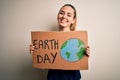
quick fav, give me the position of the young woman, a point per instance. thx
(67, 22)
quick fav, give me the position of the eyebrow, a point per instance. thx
(64, 11)
(69, 13)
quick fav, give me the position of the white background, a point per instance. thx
(101, 18)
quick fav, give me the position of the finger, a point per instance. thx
(87, 46)
(87, 49)
(31, 45)
(32, 48)
(88, 53)
(31, 51)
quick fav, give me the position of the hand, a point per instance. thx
(32, 48)
(87, 51)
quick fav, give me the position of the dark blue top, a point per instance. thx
(63, 75)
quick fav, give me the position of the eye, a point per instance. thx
(61, 12)
(69, 15)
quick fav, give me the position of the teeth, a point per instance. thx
(63, 20)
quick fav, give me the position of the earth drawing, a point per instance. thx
(72, 50)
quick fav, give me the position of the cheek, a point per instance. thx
(71, 20)
(59, 16)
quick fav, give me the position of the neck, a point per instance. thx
(64, 29)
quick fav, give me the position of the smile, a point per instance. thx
(63, 20)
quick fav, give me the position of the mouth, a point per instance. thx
(63, 20)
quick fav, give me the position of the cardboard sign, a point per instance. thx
(60, 50)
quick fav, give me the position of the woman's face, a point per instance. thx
(65, 17)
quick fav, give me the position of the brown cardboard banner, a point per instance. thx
(60, 50)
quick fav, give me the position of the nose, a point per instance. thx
(64, 16)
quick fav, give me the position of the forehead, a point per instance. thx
(67, 9)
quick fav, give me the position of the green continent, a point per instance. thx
(81, 53)
(79, 43)
(67, 54)
(64, 44)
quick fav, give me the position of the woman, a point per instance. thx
(67, 22)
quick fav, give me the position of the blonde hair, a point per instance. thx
(72, 26)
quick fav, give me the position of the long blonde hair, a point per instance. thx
(72, 26)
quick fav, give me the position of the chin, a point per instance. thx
(63, 26)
